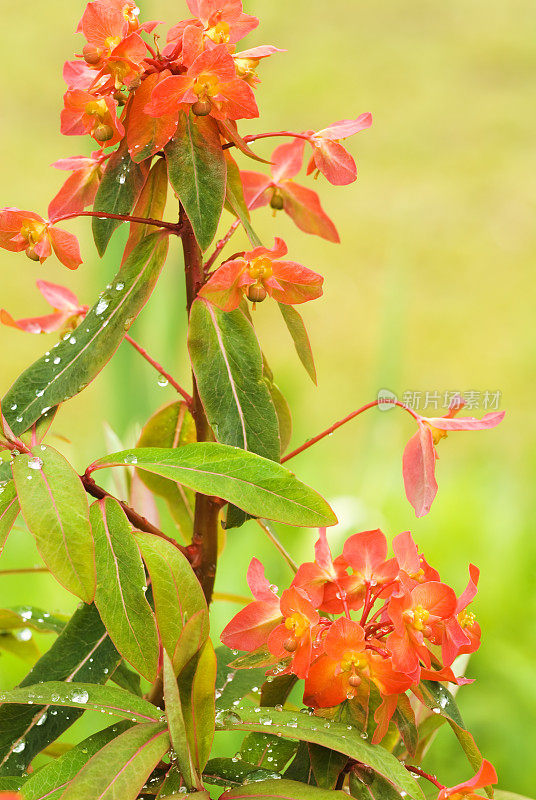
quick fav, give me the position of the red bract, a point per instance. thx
(247, 61)
(219, 22)
(412, 563)
(294, 636)
(85, 113)
(418, 462)
(249, 629)
(330, 157)
(210, 86)
(67, 311)
(414, 615)
(485, 776)
(258, 273)
(24, 230)
(313, 576)
(128, 9)
(281, 192)
(80, 188)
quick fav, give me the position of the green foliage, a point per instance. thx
(197, 172)
(9, 510)
(296, 327)
(56, 510)
(258, 486)
(277, 789)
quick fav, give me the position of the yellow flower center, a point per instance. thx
(260, 269)
(219, 33)
(245, 67)
(466, 619)
(97, 108)
(112, 41)
(298, 624)
(417, 617)
(437, 433)
(352, 661)
(206, 85)
(32, 231)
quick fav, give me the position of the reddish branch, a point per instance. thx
(174, 227)
(423, 774)
(159, 368)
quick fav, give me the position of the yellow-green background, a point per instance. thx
(431, 289)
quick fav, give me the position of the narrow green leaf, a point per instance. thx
(55, 508)
(233, 685)
(234, 772)
(234, 199)
(126, 678)
(327, 765)
(282, 790)
(171, 426)
(334, 735)
(75, 361)
(19, 644)
(50, 781)
(296, 327)
(365, 784)
(9, 510)
(268, 751)
(260, 487)
(196, 688)
(197, 172)
(82, 652)
(121, 587)
(11, 784)
(118, 192)
(438, 698)
(404, 719)
(31, 617)
(176, 591)
(107, 699)
(300, 768)
(151, 205)
(120, 769)
(173, 784)
(191, 642)
(177, 727)
(284, 416)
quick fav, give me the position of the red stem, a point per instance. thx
(174, 227)
(159, 368)
(255, 136)
(423, 774)
(221, 244)
(341, 422)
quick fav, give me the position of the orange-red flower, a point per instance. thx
(25, 230)
(250, 628)
(85, 112)
(218, 22)
(294, 635)
(67, 311)
(281, 192)
(210, 86)
(79, 190)
(330, 157)
(485, 776)
(418, 461)
(259, 273)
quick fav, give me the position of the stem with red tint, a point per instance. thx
(174, 227)
(159, 368)
(310, 442)
(423, 774)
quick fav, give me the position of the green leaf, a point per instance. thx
(438, 698)
(365, 784)
(30, 617)
(151, 205)
(76, 360)
(120, 769)
(284, 416)
(404, 719)
(232, 685)
(234, 772)
(234, 199)
(171, 426)
(334, 735)
(176, 591)
(55, 508)
(177, 727)
(196, 686)
(121, 588)
(282, 790)
(118, 192)
(296, 327)
(268, 751)
(108, 699)
(191, 641)
(9, 510)
(82, 652)
(327, 765)
(276, 691)
(260, 487)
(126, 678)
(300, 768)
(51, 780)
(11, 784)
(197, 172)
(20, 644)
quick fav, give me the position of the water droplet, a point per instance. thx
(19, 747)
(102, 305)
(122, 179)
(14, 407)
(42, 719)
(80, 696)
(57, 360)
(24, 635)
(162, 381)
(226, 718)
(120, 286)
(35, 462)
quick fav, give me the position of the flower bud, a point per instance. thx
(290, 644)
(202, 108)
(256, 293)
(103, 133)
(30, 252)
(354, 680)
(276, 202)
(92, 54)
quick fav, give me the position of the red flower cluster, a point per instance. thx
(409, 624)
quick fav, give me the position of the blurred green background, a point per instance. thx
(431, 290)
